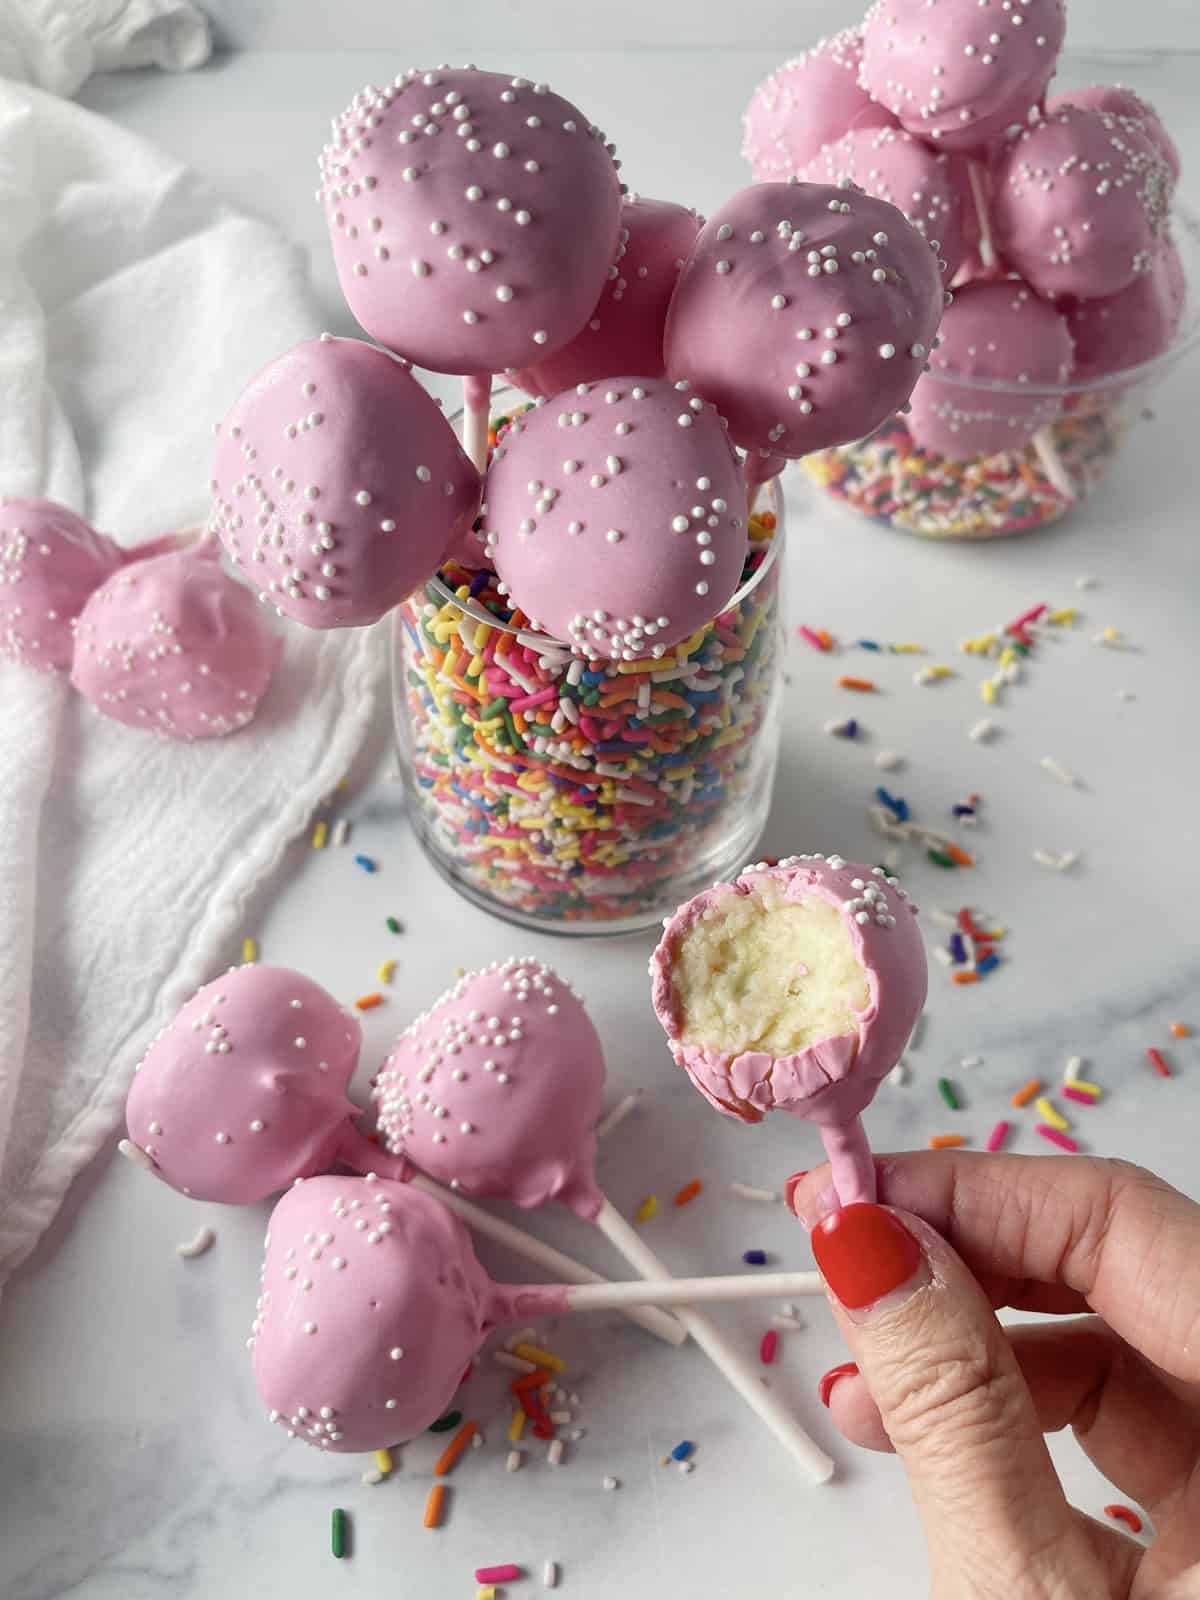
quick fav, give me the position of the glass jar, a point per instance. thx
(888, 477)
(588, 797)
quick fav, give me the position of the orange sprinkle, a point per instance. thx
(1026, 1092)
(946, 1141)
(435, 1505)
(964, 977)
(445, 1462)
(863, 685)
(689, 1192)
(767, 518)
(825, 638)
(961, 856)
(1179, 1030)
(368, 1002)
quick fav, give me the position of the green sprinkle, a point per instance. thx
(495, 709)
(394, 926)
(947, 1092)
(338, 1533)
(444, 1424)
(940, 859)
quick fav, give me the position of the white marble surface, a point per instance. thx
(134, 1460)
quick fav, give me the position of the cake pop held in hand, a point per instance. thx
(175, 645)
(806, 104)
(805, 313)
(616, 516)
(794, 988)
(473, 216)
(50, 562)
(625, 330)
(338, 484)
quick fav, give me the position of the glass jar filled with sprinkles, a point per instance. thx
(578, 795)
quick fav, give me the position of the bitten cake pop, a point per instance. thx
(807, 103)
(338, 485)
(1133, 326)
(795, 988)
(1121, 102)
(625, 330)
(615, 516)
(176, 646)
(930, 187)
(962, 72)
(805, 314)
(1080, 203)
(473, 217)
(998, 333)
(373, 1303)
(50, 562)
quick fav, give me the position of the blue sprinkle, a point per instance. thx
(365, 863)
(957, 948)
(682, 1450)
(850, 729)
(478, 582)
(869, 644)
(754, 1258)
(989, 961)
(894, 804)
(963, 811)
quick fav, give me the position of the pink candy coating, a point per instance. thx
(1122, 102)
(338, 484)
(805, 314)
(175, 645)
(616, 516)
(929, 186)
(495, 1090)
(1080, 203)
(996, 331)
(807, 103)
(625, 330)
(50, 562)
(473, 217)
(245, 1089)
(1133, 326)
(961, 72)
(830, 1082)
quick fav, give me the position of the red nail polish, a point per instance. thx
(864, 1252)
(848, 1369)
(789, 1189)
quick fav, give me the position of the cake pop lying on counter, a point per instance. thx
(615, 516)
(806, 104)
(174, 645)
(338, 484)
(795, 988)
(373, 1303)
(50, 562)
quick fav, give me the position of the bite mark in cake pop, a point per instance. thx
(338, 484)
(473, 217)
(50, 562)
(616, 517)
(806, 104)
(176, 646)
(805, 313)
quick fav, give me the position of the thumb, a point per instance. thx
(956, 1408)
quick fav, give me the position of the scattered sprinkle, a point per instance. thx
(371, 1477)
(505, 1358)
(897, 806)
(982, 731)
(1159, 1062)
(368, 1002)
(1069, 1092)
(366, 863)
(946, 1141)
(1057, 770)
(337, 1533)
(997, 1137)
(971, 1062)
(754, 1258)
(394, 926)
(888, 760)
(550, 1575)
(647, 1209)
(554, 1454)
(610, 1483)
(1085, 583)
(386, 971)
(1180, 1030)
(249, 949)
(686, 1466)
(501, 1574)
(445, 1462)
(1049, 1113)
(1056, 863)
(319, 835)
(435, 1506)
(341, 831)
(544, 1358)
(768, 1347)
(843, 730)
(1026, 1092)
(383, 1461)
(1125, 1514)
(516, 1426)
(747, 1191)
(861, 685)
(203, 1241)
(932, 674)
(948, 1093)
(689, 1192)
(513, 1461)
(1055, 1136)
(810, 636)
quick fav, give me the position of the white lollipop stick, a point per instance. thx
(477, 395)
(729, 1361)
(1052, 463)
(987, 249)
(693, 1291)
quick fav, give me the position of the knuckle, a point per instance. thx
(960, 1399)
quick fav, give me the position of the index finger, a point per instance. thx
(1108, 1231)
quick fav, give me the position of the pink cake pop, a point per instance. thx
(805, 314)
(616, 517)
(175, 645)
(1133, 326)
(624, 332)
(807, 103)
(473, 217)
(1121, 102)
(962, 73)
(794, 988)
(996, 332)
(50, 561)
(929, 186)
(338, 484)
(1080, 203)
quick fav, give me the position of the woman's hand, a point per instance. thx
(965, 1403)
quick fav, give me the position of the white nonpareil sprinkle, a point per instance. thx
(372, 1476)
(888, 760)
(686, 1467)
(550, 1575)
(1073, 1071)
(982, 731)
(747, 1191)
(203, 1241)
(514, 1461)
(970, 1062)
(1057, 770)
(341, 830)
(554, 1454)
(611, 1483)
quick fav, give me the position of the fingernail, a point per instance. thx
(848, 1369)
(865, 1253)
(789, 1190)
(808, 1208)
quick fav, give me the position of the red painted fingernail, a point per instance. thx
(864, 1252)
(789, 1189)
(848, 1369)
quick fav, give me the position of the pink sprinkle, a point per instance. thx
(1031, 615)
(810, 637)
(997, 1136)
(528, 701)
(1060, 1139)
(1077, 1094)
(497, 1574)
(768, 1347)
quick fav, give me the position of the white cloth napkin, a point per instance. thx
(58, 44)
(133, 307)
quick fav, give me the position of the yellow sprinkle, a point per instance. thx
(987, 690)
(383, 1460)
(1111, 633)
(517, 1426)
(540, 1357)
(1050, 1113)
(386, 971)
(319, 835)
(1092, 1090)
(1007, 656)
(487, 1591)
(1066, 615)
(647, 1208)
(249, 949)
(907, 649)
